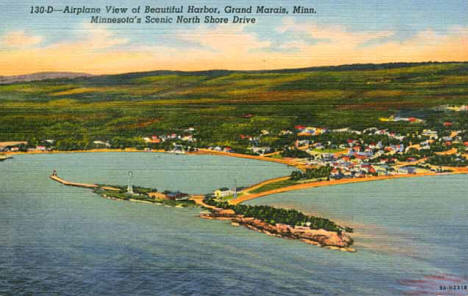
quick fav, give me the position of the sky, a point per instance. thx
(341, 32)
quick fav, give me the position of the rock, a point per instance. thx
(226, 212)
(318, 237)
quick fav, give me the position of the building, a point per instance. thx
(101, 144)
(260, 150)
(12, 145)
(223, 192)
(154, 139)
(407, 170)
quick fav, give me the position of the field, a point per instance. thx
(221, 105)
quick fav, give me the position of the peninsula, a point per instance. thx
(272, 221)
(334, 125)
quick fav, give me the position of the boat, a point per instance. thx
(4, 157)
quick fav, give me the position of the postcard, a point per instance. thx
(233, 147)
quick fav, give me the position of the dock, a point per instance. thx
(67, 183)
(198, 199)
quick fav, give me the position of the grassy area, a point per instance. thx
(141, 196)
(274, 185)
(229, 197)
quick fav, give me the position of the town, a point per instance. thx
(318, 152)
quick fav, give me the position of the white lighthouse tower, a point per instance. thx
(130, 185)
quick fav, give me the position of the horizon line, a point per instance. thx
(235, 70)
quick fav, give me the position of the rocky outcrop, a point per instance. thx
(219, 214)
(318, 237)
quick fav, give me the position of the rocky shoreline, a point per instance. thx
(318, 237)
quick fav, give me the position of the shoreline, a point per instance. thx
(247, 197)
(318, 237)
(288, 162)
(201, 151)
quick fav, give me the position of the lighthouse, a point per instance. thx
(130, 186)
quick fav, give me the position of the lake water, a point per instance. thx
(58, 240)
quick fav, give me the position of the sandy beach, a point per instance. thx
(247, 196)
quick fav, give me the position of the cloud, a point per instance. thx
(335, 45)
(93, 39)
(19, 39)
(100, 50)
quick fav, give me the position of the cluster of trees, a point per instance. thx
(314, 173)
(119, 142)
(124, 142)
(283, 216)
(69, 144)
(448, 160)
(296, 153)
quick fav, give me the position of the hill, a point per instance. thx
(40, 76)
(222, 105)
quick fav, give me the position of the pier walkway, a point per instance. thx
(65, 182)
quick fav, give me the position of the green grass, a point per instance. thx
(142, 197)
(274, 185)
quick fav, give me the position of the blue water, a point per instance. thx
(58, 240)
